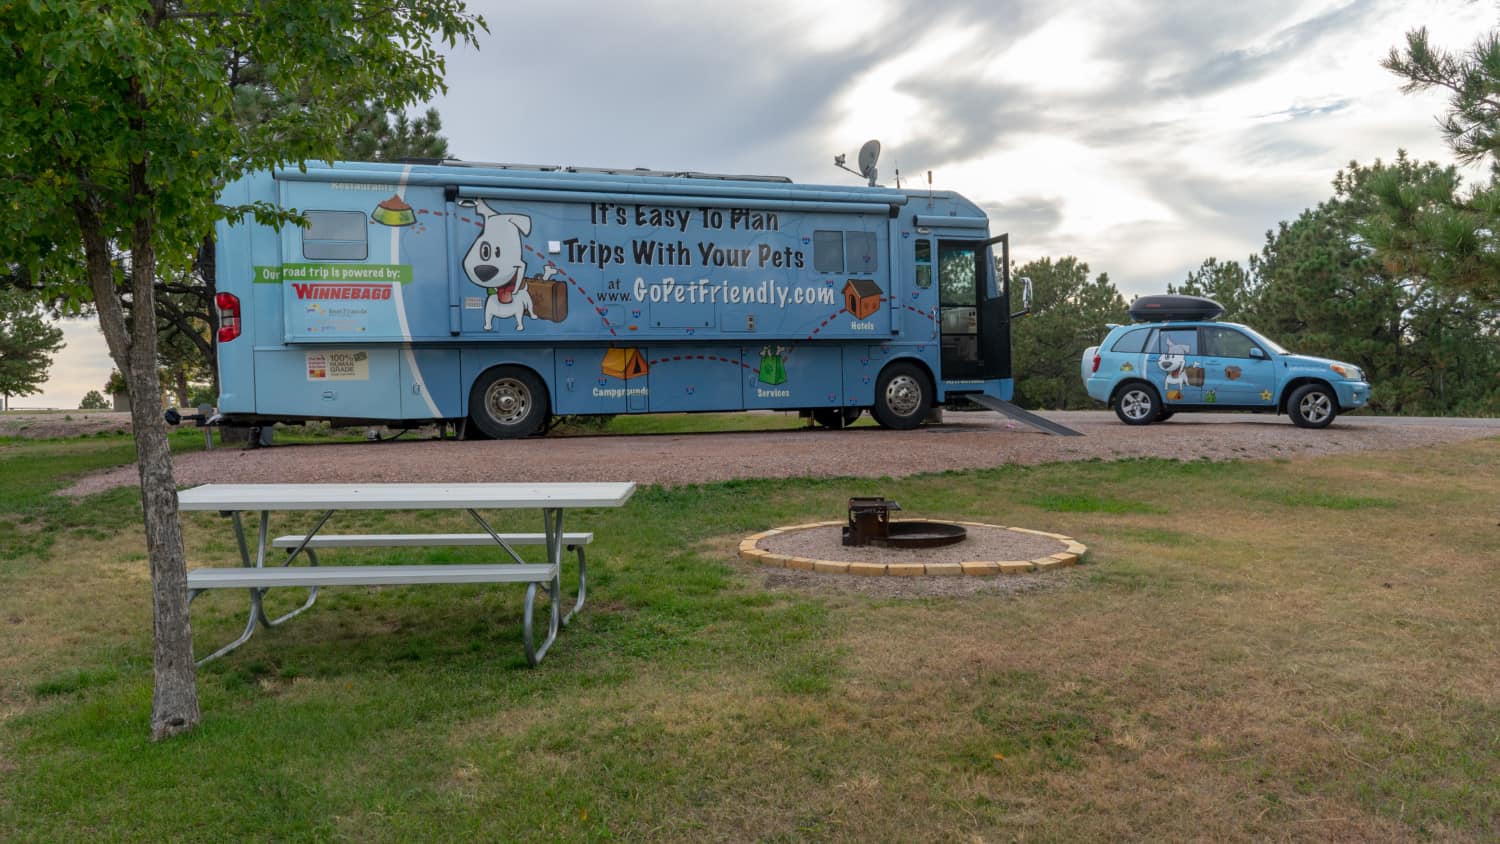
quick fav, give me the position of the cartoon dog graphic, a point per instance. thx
(1174, 363)
(495, 262)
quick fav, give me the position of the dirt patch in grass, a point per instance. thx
(50, 424)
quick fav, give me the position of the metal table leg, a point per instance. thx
(583, 581)
(312, 559)
(552, 521)
(257, 605)
(256, 612)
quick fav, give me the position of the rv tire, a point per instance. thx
(903, 395)
(508, 402)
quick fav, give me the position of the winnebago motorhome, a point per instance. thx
(496, 296)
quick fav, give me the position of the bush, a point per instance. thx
(203, 394)
(94, 400)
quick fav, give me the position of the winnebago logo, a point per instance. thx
(342, 291)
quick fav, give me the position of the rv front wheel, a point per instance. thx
(903, 395)
(508, 402)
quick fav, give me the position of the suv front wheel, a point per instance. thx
(1312, 406)
(1138, 404)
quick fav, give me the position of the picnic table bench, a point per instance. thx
(254, 576)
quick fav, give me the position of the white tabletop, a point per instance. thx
(378, 496)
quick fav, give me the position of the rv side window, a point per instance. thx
(924, 264)
(335, 236)
(860, 249)
(828, 252)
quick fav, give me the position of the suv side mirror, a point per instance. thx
(1257, 353)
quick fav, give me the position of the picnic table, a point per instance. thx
(253, 574)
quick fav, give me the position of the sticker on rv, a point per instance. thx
(338, 366)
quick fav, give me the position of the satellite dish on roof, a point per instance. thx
(868, 155)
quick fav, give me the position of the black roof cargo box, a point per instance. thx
(1174, 309)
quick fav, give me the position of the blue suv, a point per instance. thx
(1185, 361)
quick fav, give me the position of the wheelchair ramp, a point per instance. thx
(1025, 417)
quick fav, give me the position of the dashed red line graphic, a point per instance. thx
(670, 358)
(576, 286)
(831, 317)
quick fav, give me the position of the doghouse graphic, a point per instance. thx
(624, 364)
(496, 262)
(861, 297)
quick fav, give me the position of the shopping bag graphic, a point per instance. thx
(772, 367)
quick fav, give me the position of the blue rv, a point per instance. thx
(494, 297)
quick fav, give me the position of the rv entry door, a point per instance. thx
(973, 303)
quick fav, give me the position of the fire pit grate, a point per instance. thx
(870, 524)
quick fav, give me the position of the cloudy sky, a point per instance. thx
(1140, 136)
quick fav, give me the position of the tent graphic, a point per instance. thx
(624, 364)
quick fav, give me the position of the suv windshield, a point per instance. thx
(1268, 342)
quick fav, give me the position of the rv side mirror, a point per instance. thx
(1025, 297)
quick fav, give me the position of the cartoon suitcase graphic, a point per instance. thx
(549, 299)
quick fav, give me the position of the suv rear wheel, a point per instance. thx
(1137, 403)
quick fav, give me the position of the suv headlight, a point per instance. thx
(1347, 372)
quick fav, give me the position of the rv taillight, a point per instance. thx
(229, 316)
(1096, 362)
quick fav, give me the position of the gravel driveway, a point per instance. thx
(965, 440)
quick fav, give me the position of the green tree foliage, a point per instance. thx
(27, 343)
(1472, 80)
(1431, 228)
(116, 385)
(93, 400)
(1225, 282)
(1068, 314)
(120, 126)
(383, 134)
(1322, 285)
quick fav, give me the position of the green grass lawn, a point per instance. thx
(1281, 649)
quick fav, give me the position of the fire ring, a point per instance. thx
(1043, 551)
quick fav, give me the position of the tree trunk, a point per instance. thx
(182, 386)
(174, 699)
(132, 345)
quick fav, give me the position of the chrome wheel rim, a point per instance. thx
(507, 401)
(1135, 404)
(1315, 407)
(903, 395)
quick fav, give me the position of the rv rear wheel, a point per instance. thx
(508, 402)
(903, 395)
(836, 417)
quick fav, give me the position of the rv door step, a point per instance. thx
(1025, 417)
